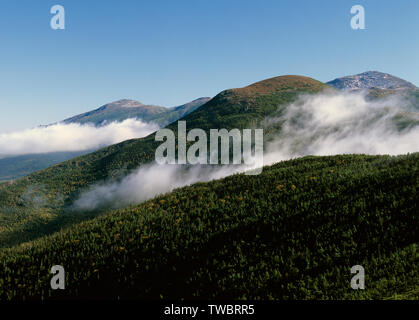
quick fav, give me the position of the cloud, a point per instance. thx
(342, 123)
(72, 137)
(322, 124)
(147, 182)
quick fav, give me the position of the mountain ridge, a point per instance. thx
(127, 108)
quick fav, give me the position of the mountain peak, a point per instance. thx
(117, 111)
(369, 80)
(280, 83)
(124, 103)
(127, 108)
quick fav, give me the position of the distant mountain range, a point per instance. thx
(15, 167)
(371, 80)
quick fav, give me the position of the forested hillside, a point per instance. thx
(292, 232)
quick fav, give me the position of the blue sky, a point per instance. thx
(170, 52)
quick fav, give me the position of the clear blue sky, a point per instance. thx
(170, 52)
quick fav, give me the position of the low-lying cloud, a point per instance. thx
(342, 123)
(323, 124)
(147, 182)
(72, 137)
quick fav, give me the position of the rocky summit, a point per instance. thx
(369, 80)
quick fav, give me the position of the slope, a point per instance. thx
(293, 232)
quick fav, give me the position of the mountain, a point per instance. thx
(371, 80)
(37, 204)
(291, 233)
(14, 167)
(245, 107)
(55, 188)
(117, 111)
(125, 109)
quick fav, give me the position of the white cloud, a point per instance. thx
(72, 137)
(147, 182)
(342, 123)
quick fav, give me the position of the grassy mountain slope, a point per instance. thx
(244, 107)
(293, 232)
(33, 206)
